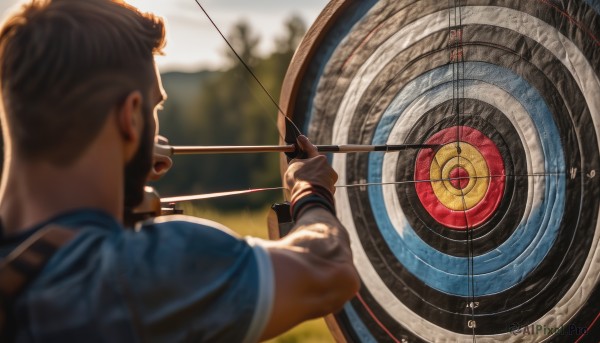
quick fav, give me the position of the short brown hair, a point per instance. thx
(64, 64)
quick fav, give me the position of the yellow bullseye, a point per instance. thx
(471, 161)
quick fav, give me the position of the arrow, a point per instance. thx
(168, 150)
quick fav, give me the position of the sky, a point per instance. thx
(193, 44)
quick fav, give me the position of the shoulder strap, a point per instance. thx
(24, 263)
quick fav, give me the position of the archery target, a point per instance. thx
(495, 231)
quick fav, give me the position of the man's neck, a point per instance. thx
(35, 192)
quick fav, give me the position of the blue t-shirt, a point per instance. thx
(173, 279)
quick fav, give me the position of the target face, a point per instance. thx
(493, 235)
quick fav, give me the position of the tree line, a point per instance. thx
(228, 107)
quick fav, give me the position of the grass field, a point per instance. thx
(254, 223)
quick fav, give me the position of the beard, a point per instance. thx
(138, 168)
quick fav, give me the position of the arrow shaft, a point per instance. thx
(347, 148)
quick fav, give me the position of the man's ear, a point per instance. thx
(130, 122)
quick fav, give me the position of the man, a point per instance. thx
(80, 94)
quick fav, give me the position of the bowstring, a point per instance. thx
(280, 111)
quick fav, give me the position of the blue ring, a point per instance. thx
(359, 326)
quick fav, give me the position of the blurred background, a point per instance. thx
(213, 100)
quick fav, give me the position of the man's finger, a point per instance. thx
(306, 146)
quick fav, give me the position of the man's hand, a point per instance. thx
(314, 170)
(161, 163)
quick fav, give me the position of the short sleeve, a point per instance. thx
(191, 280)
(266, 290)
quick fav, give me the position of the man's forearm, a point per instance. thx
(321, 233)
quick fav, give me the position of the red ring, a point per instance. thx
(478, 214)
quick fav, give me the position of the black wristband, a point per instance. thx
(311, 200)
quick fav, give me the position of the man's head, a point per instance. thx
(65, 65)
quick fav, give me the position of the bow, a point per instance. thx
(289, 138)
